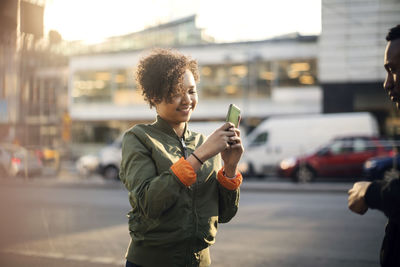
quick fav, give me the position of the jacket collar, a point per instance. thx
(163, 125)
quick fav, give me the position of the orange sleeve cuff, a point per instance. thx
(229, 183)
(184, 171)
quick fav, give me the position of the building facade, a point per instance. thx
(350, 58)
(33, 78)
(8, 67)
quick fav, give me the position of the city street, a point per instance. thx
(47, 223)
(93, 92)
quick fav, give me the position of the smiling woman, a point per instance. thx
(164, 164)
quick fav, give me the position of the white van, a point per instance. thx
(278, 138)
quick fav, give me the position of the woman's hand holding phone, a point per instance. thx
(233, 153)
(216, 142)
(225, 140)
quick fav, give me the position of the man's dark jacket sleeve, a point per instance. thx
(385, 196)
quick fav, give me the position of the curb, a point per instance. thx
(72, 180)
(280, 187)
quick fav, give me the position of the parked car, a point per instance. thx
(106, 162)
(87, 165)
(281, 137)
(19, 161)
(384, 167)
(50, 158)
(110, 159)
(343, 157)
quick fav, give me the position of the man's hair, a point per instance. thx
(160, 74)
(393, 34)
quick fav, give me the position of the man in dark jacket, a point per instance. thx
(385, 195)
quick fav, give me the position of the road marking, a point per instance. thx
(79, 257)
(102, 246)
(82, 258)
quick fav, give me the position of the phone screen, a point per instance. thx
(233, 115)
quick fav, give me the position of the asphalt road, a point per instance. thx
(61, 224)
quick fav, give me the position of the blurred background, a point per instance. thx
(307, 76)
(66, 67)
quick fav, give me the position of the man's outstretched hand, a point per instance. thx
(356, 200)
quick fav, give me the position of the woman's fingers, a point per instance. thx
(237, 131)
(226, 136)
(226, 126)
(235, 142)
(234, 130)
(235, 138)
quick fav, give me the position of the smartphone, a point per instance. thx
(233, 115)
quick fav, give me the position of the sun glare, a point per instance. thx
(94, 20)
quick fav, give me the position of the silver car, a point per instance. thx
(106, 162)
(16, 160)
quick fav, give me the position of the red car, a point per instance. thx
(343, 157)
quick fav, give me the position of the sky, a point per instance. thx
(225, 20)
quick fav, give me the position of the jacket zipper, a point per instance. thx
(195, 219)
(184, 148)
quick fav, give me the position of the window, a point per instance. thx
(115, 86)
(264, 79)
(256, 78)
(125, 92)
(296, 73)
(223, 81)
(261, 139)
(341, 146)
(362, 145)
(92, 86)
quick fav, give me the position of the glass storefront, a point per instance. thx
(296, 73)
(221, 81)
(247, 80)
(255, 79)
(115, 86)
(92, 87)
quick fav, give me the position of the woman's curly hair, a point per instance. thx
(160, 74)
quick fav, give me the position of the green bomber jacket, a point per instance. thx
(170, 223)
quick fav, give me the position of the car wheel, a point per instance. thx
(390, 174)
(304, 174)
(111, 172)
